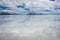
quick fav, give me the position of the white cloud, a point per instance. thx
(33, 5)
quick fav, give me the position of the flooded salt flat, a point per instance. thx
(29, 27)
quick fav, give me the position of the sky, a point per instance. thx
(27, 6)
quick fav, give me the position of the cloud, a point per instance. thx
(33, 5)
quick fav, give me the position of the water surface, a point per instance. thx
(29, 27)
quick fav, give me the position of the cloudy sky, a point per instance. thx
(26, 6)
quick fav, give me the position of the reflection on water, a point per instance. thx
(30, 27)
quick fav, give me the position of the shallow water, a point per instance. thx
(29, 27)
